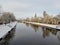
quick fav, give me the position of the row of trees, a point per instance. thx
(49, 19)
(7, 17)
(45, 19)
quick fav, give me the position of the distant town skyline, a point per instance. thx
(27, 8)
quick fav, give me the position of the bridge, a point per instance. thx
(45, 25)
(5, 28)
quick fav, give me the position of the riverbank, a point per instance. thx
(4, 29)
(42, 24)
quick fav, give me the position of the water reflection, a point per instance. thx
(47, 31)
(8, 37)
(27, 24)
(35, 27)
(32, 35)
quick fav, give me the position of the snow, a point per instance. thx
(58, 26)
(4, 29)
(46, 25)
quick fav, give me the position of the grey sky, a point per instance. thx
(27, 8)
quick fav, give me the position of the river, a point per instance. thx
(27, 34)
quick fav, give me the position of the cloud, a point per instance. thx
(27, 8)
(13, 5)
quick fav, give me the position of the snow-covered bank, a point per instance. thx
(46, 25)
(4, 29)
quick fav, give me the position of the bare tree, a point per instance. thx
(8, 17)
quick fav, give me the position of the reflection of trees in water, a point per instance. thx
(54, 32)
(35, 27)
(47, 31)
(58, 35)
(27, 24)
(8, 37)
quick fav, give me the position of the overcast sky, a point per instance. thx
(27, 8)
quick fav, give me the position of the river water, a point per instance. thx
(27, 34)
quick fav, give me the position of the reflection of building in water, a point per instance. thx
(47, 31)
(35, 27)
(8, 37)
